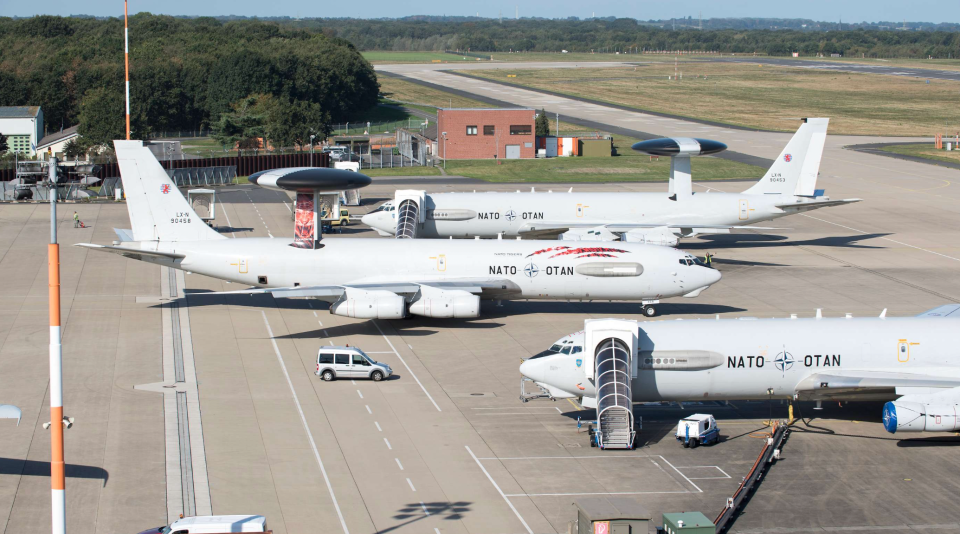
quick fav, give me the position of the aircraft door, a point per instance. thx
(744, 210)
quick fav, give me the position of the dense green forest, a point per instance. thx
(184, 72)
(491, 35)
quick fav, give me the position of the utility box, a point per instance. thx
(688, 523)
(596, 148)
(611, 515)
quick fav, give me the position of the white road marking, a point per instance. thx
(378, 351)
(500, 491)
(399, 464)
(306, 427)
(367, 406)
(225, 214)
(424, 506)
(411, 485)
(388, 443)
(287, 204)
(436, 530)
(378, 426)
(575, 494)
(681, 474)
(358, 393)
(315, 314)
(607, 457)
(559, 410)
(318, 320)
(407, 366)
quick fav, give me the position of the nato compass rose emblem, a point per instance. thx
(531, 270)
(510, 215)
(784, 361)
(165, 188)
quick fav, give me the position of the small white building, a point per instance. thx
(23, 127)
(53, 144)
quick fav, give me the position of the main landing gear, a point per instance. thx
(648, 307)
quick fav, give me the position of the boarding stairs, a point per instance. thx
(408, 219)
(615, 420)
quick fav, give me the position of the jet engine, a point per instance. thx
(443, 304)
(920, 417)
(652, 236)
(362, 304)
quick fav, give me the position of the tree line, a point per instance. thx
(553, 35)
(185, 74)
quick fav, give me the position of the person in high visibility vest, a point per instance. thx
(76, 220)
(708, 259)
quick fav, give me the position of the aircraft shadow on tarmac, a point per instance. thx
(231, 229)
(33, 468)
(413, 512)
(733, 241)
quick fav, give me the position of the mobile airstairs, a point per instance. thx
(410, 213)
(613, 343)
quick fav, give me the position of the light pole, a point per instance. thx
(444, 134)
(57, 478)
(311, 150)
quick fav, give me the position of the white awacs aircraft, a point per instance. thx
(911, 361)
(383, 279)
(788, 187)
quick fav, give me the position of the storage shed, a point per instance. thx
(688, 523)
(611, 515)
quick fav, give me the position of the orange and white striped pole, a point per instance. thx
(57, 478)
(126, 62)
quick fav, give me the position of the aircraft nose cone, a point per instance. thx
(368, 219)
(534, 370)
(713, 276)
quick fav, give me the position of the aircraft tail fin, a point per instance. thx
(158, 212)
(795, 171)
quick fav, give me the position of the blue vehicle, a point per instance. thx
(698, 429)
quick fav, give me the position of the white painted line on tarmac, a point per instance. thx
(424, 506)
(399, 464)
(607, 493)
(358, 393)
(592, 456)
(306, 427)
(681, 474)
(378, 426)
(388, 443)
(367, 406)
(378, 351)
(500, 491)
(315, 314)
(407, 366)
(230, 224)
(318, 320)
(436, 530)
(411, 485)
(559, 410)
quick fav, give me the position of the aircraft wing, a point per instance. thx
(134, 253)
(481, 286)
(852, 385)
(814, 204)
(947, 310)
(543, 229)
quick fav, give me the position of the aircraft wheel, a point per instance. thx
(650, 311)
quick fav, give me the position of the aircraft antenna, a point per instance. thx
(126, 61)
(883, 314)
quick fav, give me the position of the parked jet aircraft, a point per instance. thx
(910, 361)
(366, 278)
(788, 187)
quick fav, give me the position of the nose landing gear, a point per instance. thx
(648, 307)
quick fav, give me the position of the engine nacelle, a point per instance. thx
(362, 304)
(652, 236)
(919, 417)
(444, 304)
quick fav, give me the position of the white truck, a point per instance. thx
(698, 429)
(213, 524)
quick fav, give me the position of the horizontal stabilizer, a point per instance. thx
(947, 310)
(808, 205)
(134, 253)
(124, 235)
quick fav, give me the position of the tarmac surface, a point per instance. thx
(445, 445)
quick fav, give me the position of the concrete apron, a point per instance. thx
(188, 490)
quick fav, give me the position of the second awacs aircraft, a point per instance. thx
(389, 279)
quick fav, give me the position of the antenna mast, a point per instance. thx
(126, 61)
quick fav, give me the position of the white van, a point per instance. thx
(349, 362)
(213, 524)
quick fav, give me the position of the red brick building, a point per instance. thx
(486, 133)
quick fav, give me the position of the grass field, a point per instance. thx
(926, 151)
(616, 169)
(765, 97)
(376, 56)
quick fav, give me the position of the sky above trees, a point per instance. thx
(820, 10)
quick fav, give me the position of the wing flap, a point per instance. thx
(852, 384)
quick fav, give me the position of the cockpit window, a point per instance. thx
(576, 349)
(556, 348)
(566, 350)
